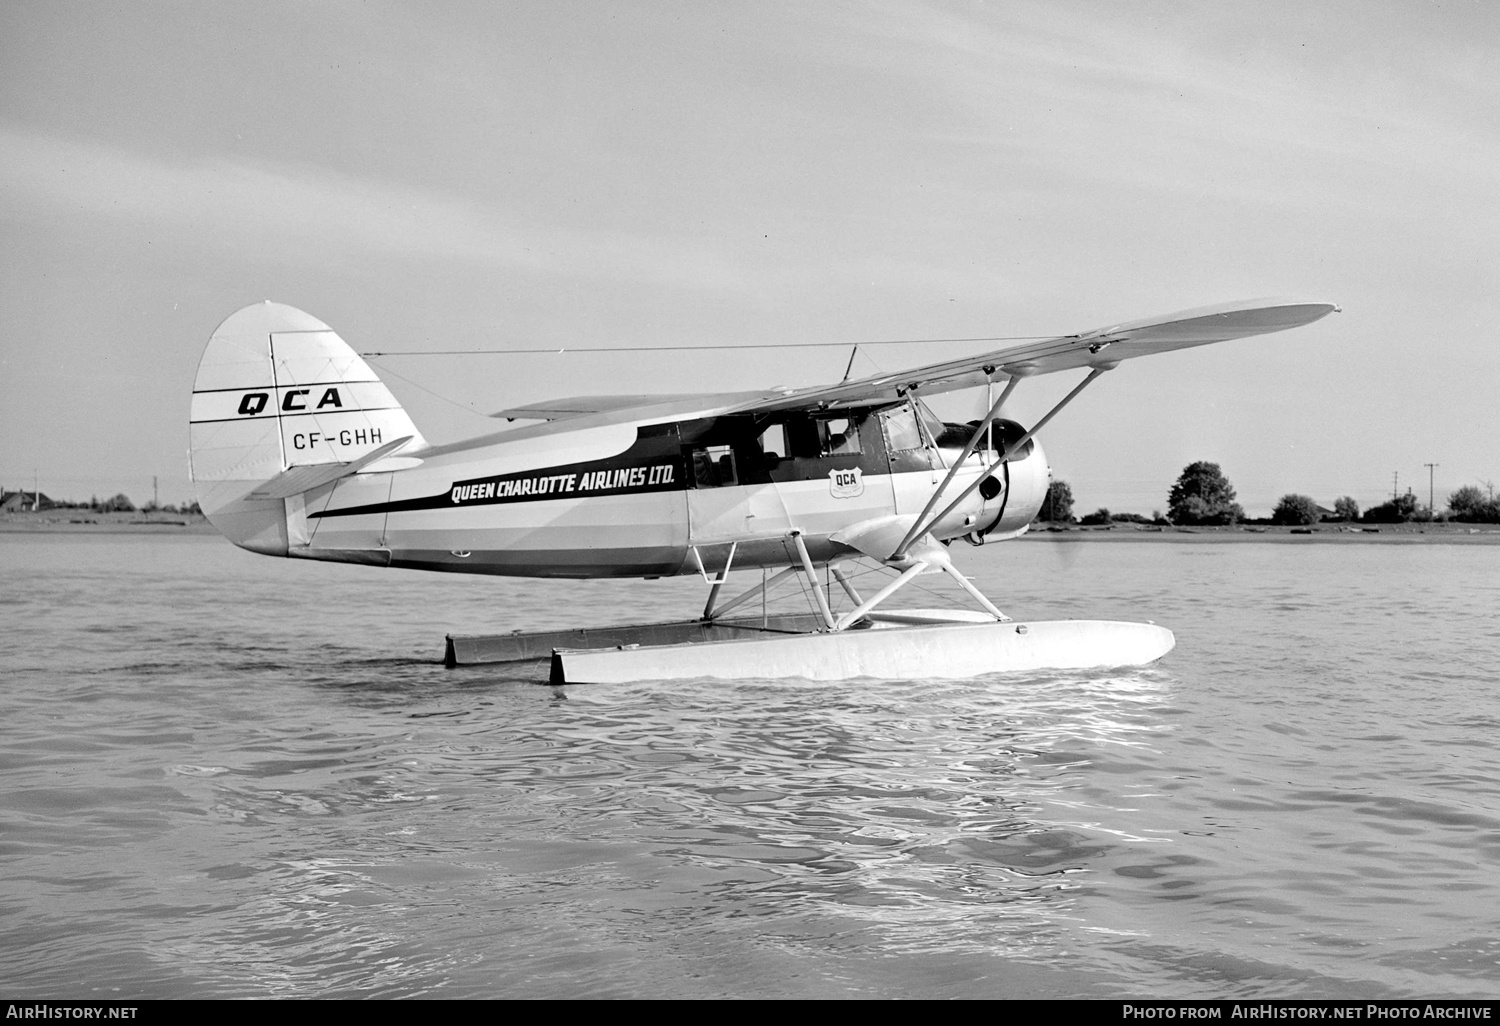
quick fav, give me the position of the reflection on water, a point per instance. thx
(234, 776)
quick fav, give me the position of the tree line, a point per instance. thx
(1203, 496)
(119, 503)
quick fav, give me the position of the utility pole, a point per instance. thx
(155, 497)
(1395, 479)
(1429, 467)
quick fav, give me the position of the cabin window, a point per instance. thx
(838, 436)
(901, 431)
(773, 443)
(713, 466)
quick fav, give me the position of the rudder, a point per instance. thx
(277, 388)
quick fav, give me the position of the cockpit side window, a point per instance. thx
(838, 436)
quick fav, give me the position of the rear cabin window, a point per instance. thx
(773, 442)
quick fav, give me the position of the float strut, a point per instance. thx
(880, 596)
(812, 579)
(966, 585)
(759, 589)
(846, 584)
(718, 582)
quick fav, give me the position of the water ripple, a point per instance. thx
(207, 794)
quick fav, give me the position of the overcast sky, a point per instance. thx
(496, 175)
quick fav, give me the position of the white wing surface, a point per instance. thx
(1103, 347)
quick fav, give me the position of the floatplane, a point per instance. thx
(299, 450)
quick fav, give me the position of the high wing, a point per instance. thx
(1103, 347)
(585, 405)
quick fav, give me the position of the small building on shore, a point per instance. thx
(24, 502)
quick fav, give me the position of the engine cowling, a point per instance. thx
(1025, 477)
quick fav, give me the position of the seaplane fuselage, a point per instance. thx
(655, 496)
(298, 449)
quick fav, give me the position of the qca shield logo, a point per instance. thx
(846, 484)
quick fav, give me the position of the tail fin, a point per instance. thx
(277, 389)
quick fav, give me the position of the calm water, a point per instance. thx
(225, 775)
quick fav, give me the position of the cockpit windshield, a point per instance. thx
(932, 424)
(901, 431)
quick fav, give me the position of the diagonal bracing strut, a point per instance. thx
(924, 523)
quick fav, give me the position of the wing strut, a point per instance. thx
(924, 523)
(932, 501)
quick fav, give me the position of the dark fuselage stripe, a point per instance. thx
(574, 481)
(289, 414)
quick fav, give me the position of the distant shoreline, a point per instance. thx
(75, 521)
(86, 521)
(1409, 534)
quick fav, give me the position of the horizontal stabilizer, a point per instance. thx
(297, 480)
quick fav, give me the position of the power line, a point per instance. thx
(435, 395)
